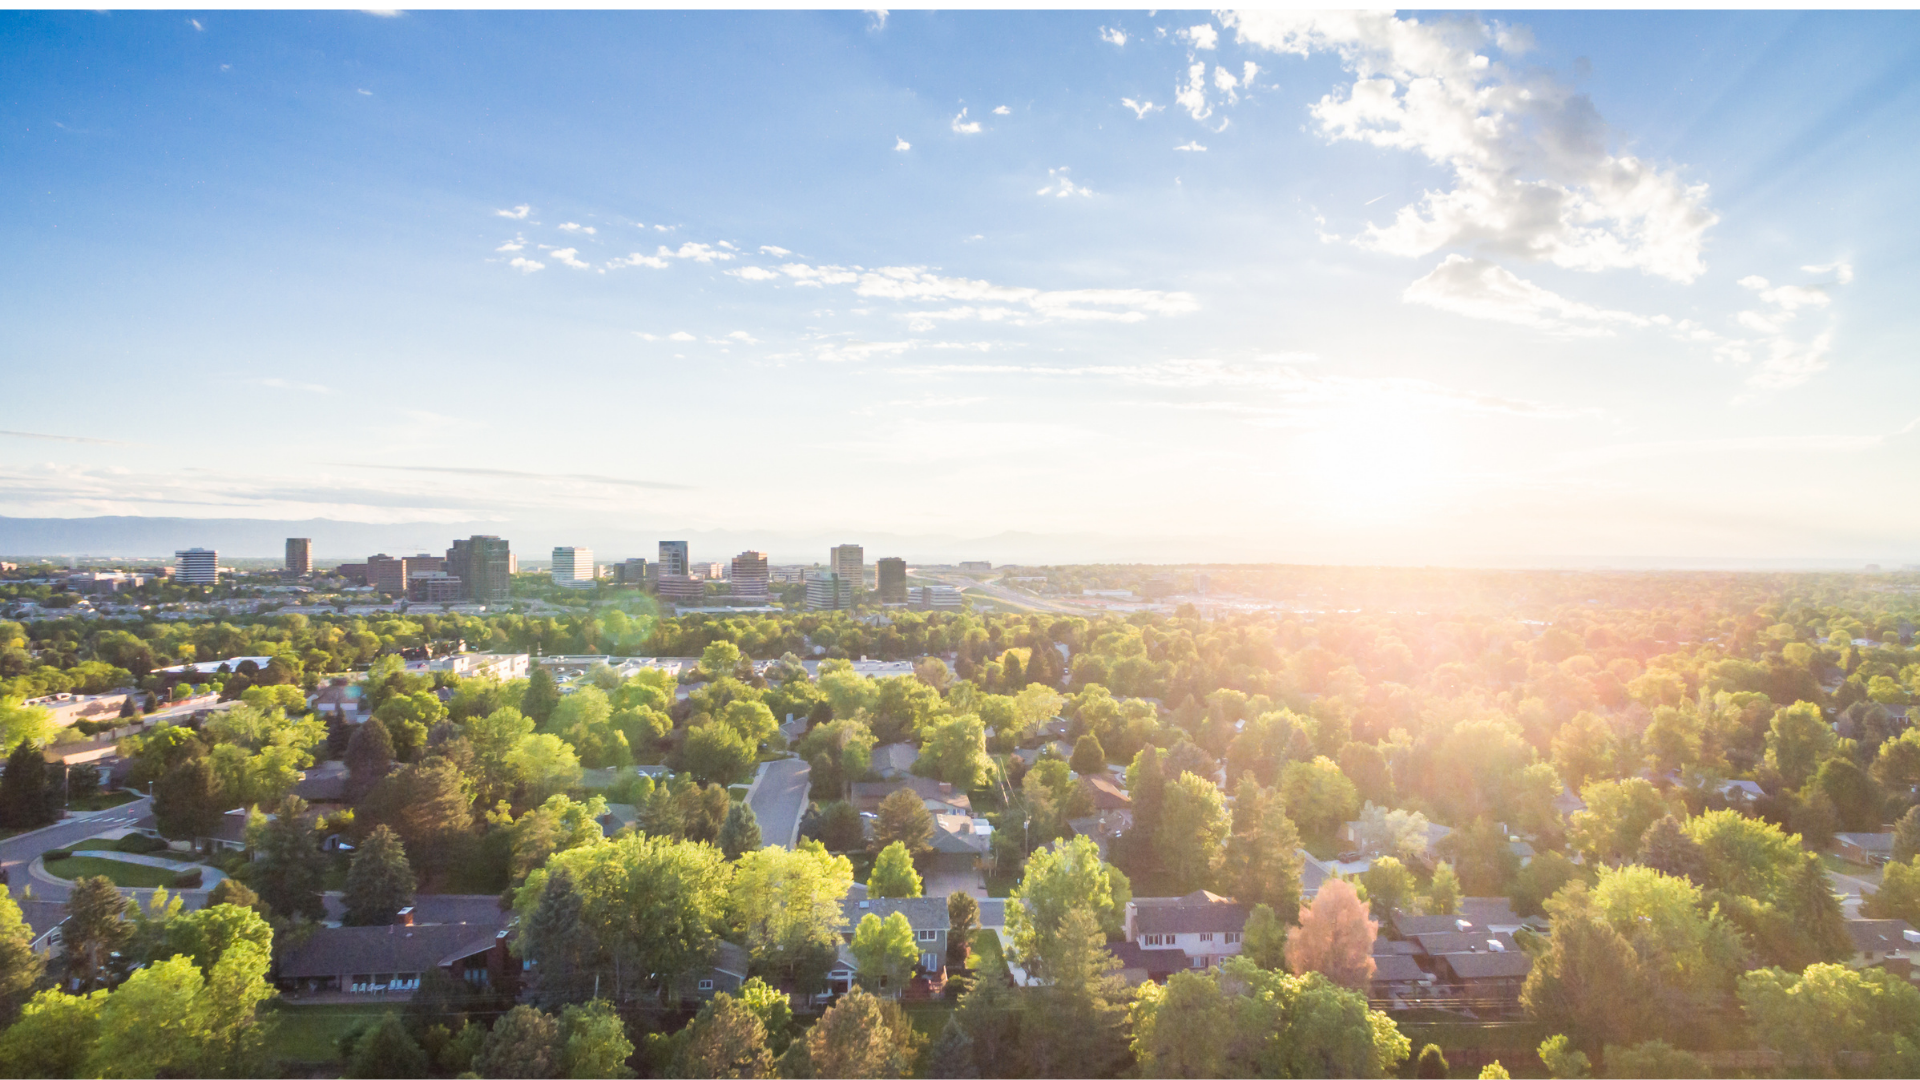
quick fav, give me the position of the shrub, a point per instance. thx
(139, 844)
(56, 855)
(188, 879)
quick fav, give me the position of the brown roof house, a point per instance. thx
(386, 962)
(1887, 943)
(1201, 926)
(938, 795)
(928, 917)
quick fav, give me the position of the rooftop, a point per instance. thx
(1198, 912)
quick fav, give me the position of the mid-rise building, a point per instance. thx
(299, 556)
(828, 591)
(484, 565)
(573, 567)
(750, 575)
(847, 560)
(935, 598)
(678, 587)
(197, 566)
(354, 572)
(892, 581)
(434, 587)
(631, 572)
(981, 566)
(673, 559)
(387, 574)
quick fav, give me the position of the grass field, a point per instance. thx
(101, 800)
(987, 957)
(311, 1033)
(125, 875)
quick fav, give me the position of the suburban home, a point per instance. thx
(1397, 976)
(337, 698)
(927, 915)
(1885, 943)
(938, 795)
(1106, 793)
(44, 919)
(1476, 915)
(895, 760)
(1102, 828)
(961, 844)
(1488, 980)
(1350, 833)
(1455, 941)
(1740, 792)
(325, 782)
(388, 961)
(1138, 965)
(1202, 926)
(726, 973)
(1865, 848)
(617, 817)
(1313, 874)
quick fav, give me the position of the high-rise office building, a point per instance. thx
(484, 565)
(750, 575)
(573, 567)
(847, 561)
(893, 581)
(632, 572)
(299, 556)
(828, 591)
(197, 566)
(673, 558)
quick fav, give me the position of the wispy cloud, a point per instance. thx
(62, 438)
(518, 213)
(576, 227)
(1482, 290)
(964, 126)
(526, 265)
(567, 257)
(986, 301)
(455, 470)
(1140, 110)
(1061, 186)
(1193, 146)
(1112, 36)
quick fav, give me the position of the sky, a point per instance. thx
(1518, 287)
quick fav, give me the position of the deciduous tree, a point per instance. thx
(893, 875)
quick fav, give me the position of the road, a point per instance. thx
(779, 799)
(993, 590)
(1851, 889)
(18, 853)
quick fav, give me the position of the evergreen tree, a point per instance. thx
(1443, 893)
(1262, 864)
(661, 816)
(741, 832)
(542, 695)
(186, 801)
(523, 1044)
(289, 867)
(991, 1014)
(1667, 848)
(903, 818)
(557, 938)
(26, 801)
(963, 917)
(1010, 672)
(952, 1055)
(1076, 1024)
(96, 929)
(1265, 939)
(386, 1050)
(1432, 1064)
(1906, 836)
(380, 882)
(1088, 756)
(369, 755)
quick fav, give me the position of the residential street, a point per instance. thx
(19, 852)
(779, 800)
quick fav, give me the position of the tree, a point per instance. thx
(1390, 886)
(525, 1044)
(1617, 815)
(1652, 1060)
(1318, 795)
(715, 753)
(990, 1012)
(1432, 1064)
(741, 832)
(1264, 941)
(1064, 877)
(542, 695)
(1182, 1030)
(1899, 894)
(893, 875)
(839, 826)
(1193, 826)
(430, 805)
(289, 868)
(20, 966)
(96, 929)
(1443, 892)
(170, 1019)
(1076, 1022)
(1088, 755)
(556, 933)
(386, 1050)
(379, 881)
(369, 754)
(1906, 835)
(1563, 1062)
(719, 660)
(1853, 793)
(952, 1055)
(885, 950)
(1400, 833)
(208, 935)
(1797, 739)
(555, 825)
(786, 904)
(1667, 848)
(186, 802)
(963, 917)
(726, 1039)
(53, 1036)
(1262, 862)
(903, 819)
(21, 723)
(954, 750)
(862, 1036)
(1547, 874)
(1334, 938)
(1829, 1008)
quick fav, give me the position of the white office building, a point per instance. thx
(828, 591)
(196, 566)
(848, 560)
(573, 567)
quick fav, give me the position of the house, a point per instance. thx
(1138, 965)
(1740, 792)
(1488, 980)
(895, 760)
(338, 698)
(1865, 848)
(617, 817)
(1398, 976)
(1481, 915)
(388, 961)
(1456, 941)
(927, 915)
(726, 973)
(44, 919)
(1884, 943)
(1202, 926)
(1313, 874)
(1102, 828)
(961, 842)
(1567, 803)
(1106, 794)
(229, 834)
(938, 795)
(325, 782)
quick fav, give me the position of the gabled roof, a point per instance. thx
(1490, 911)
(1198, 912)
(1153, 961)
(1107, 795)
(1386, 946)
(1396, 969)
(928, 789)
(1876, 937)
(899, 756)
(730, 959)
(993, 913)
(1469, 967)
(351, 950)
(1313, 874)
(1868, 841)
(954, 834)
(922, 912)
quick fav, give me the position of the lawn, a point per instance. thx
(125, 875)
(311, 1033)
(101, 800)
(987, 958)
(928, 1018)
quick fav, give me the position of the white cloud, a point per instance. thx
(1203, 36)
(567, 257)
(984, 301)
(1140, 111)
(901, 144)
(777, 252)
(525, 265)
(576, 227)
(729, 246)
(1247, 71)
(1842, 271)
(381, 13)
(754, 273)
(663, 228)
(1783, 359)
(964, 126)
(1193, 96)
(1192, 145)
(1060, 186)
(1532, 175)
(518, 213)
(1002, 111)
(1482, 290)
(743, 337)
(1112, 36)
(681, 335)
(195, 23)
(702, 253)
(1227, 83)
(637, 259)
(514, 244)
(877, 19)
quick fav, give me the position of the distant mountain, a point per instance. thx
(234, 537)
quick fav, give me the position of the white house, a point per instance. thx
(1206, 927)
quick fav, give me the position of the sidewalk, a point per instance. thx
(210, 876)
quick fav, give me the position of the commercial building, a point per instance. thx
(750, 575)
(935, 598)
(678, 587)
(196, 566)
(631, 572)
(355, 573)
(387, 574)
(673, 558)
(484, 564)
(828, 591)
(434, 587)
(976, 566)
(299, 556)
(710, 571)
(847, 561)
(573, 567)
(893, 581)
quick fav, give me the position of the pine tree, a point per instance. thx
(1011, 673)
(96, 929)
(369, 755)
(289, 867)
(741, 832)
(1265, 939)
(556, 938)
(186, 801)
(386, 1050)
(952, 1054)
(1667, 848)
(903, 817)
(661, 816)
(542, 696)
(1088, 756)
(379, 883)
(1076, 1025)
(1262, 863)
(1906, 836)
(25, 801)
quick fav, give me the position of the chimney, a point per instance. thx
(404, 917)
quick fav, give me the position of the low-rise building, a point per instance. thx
(1865, 848)
(1885, 943)
(387, 962)
(927, 915)
(1205, 927)
(938, 796)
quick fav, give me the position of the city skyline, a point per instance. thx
(1242, 287)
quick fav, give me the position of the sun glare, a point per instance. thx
(1373, 465)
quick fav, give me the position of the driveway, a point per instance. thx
(1851, 888)
(18, 853)
(943, 874)
(779, 799)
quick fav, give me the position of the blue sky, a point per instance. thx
(1528, 286)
